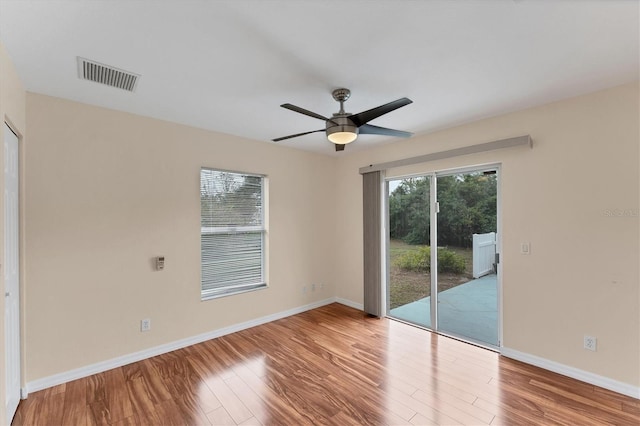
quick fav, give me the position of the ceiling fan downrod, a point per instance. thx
(341, 95)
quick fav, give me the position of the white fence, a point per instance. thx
(484, 254)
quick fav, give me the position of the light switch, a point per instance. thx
(525, 248)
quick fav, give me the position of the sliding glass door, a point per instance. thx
(467, 279)
(409, 253)
(442, 253)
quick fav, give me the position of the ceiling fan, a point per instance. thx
(343, 128)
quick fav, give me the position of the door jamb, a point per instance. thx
(434, 174)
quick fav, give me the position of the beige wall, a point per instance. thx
(12, 110)
(108, 191)
(582, 276)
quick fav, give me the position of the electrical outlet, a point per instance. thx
(145, 324)
(304, 289)
(313, 287)
(590, 343)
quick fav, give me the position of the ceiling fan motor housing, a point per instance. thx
(339, 124)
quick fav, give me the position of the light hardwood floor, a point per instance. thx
(331, 365)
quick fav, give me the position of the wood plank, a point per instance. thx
(170, 413)
(55, 390)
(250, 399)
(280, 411)
(95, 388)
(220, 417)
(451, 405)
(75, 403)
(190, 411)
(232, 404)
(141, 401)
(425, 411)
(251, 422)
(117, 400)
(53, 411)
(155, 385)
(31, 410)
(331, 365)
(100, 413)
(140, 419)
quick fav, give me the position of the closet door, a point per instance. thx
(11, 268)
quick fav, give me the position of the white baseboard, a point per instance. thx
(57, 379)
(349, 303)
(78, 373)
(575, 373)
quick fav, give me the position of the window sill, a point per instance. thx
(205, 297)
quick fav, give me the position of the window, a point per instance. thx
(232, 232)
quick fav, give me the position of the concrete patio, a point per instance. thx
(469, 311)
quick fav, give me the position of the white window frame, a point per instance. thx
(231, 289)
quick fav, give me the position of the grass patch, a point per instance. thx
(420, 260)
(407, 286)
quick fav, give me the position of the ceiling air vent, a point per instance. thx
(106, 74)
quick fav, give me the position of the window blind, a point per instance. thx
(372, 214)
(232, 232)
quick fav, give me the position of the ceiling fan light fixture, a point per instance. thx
(342, 134)
(342, 138)
(343, 127)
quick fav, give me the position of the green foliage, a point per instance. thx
(449, 261)
(420, 260)
(467, 206)
(409, 211)
(230, 199)
(416, 260)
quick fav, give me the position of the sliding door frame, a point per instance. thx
(433, 210)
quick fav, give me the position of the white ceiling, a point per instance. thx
(228, 65)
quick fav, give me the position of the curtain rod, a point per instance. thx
(472, 149)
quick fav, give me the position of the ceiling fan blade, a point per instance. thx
(366, 116)
(369, 129)
(296, 135)
(339, 147)
(304, 111)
